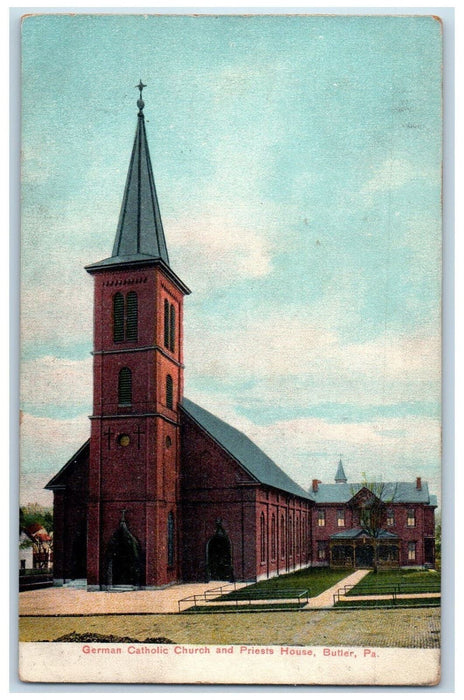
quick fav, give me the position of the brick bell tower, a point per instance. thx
(134, 490)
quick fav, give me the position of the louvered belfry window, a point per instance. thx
(166, 323)
(169, 326)
(169, 392)
(131, 316)
(118, 317)
(125, 387)
(125, 317)
(172, 328)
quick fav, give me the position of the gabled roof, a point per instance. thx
(59, 480)
(390, 492)
(243, 450)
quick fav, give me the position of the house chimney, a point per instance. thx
(316, 483)
(419, 483)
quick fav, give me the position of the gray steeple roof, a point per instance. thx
(140, 236)
(340, 477)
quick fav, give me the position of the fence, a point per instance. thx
(237, 599)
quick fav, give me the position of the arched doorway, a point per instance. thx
(122, 561)
(219, 555)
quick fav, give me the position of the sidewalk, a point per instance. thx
(74, 601)
(325, 599)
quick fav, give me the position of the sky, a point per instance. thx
(297, 162)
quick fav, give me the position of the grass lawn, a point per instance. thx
(419, 581)
(313, 580)
(399, 603)
(272, 607)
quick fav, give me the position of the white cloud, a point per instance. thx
(279, 353)
(56, 382)
(391, 175)
(223, 250)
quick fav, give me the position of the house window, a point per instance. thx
(321, 518)
(290, 537)
(125, 387)
(340, 518)
(118, 317)
(262, 524)
(411, 551)
(390, 517)
(273, 537)
(411, 518)
(131, 317)
(169, 392)
(170, 539)
(297, 536)
(322, 550)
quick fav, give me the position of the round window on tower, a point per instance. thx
(123, 440)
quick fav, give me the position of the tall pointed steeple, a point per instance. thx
(340, 477)
(140, 236)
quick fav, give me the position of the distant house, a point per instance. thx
(25, 552)
(42, 546)
(359, 524)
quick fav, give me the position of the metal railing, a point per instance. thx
(393, 589)
(244, 597)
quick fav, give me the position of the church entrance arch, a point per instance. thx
(122, 560)
(219, 555)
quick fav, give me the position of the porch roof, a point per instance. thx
(358, 533)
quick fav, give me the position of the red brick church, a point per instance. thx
(164, 491)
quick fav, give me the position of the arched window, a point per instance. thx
(172, 328)
(131, 317)
(170, 539)
(169, 392)
(273, 537)
(262, 522)
(166, 323)
(125, 387)
(118, 317)
(290, 537)
(282, 537)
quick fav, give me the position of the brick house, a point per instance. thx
(357, 524)
(164, 491)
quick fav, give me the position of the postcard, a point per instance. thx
(231, 349)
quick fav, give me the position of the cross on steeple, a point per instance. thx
(140, 102)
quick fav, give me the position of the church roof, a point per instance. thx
(59, 480)
(140, 236)
(390, 492)
(243, 450)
